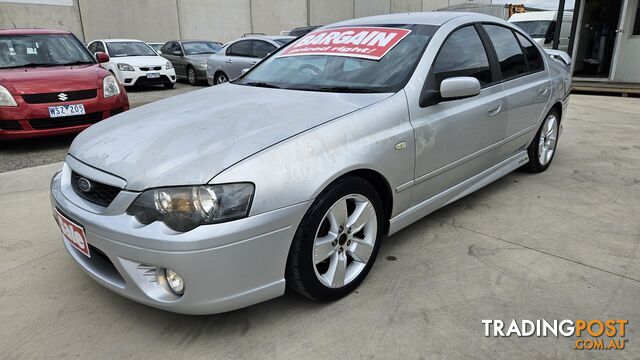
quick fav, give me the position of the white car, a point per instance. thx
(134, 63)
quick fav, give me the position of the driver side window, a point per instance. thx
(462, 55)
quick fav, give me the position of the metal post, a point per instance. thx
(574, 27)
(559, 18)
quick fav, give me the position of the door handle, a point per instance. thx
(253, 63)
(495, 108)
(543, 90)
(229, 61)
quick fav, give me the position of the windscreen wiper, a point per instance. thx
(77, 63)
(28, 65)
(346, 89)
(261, 84)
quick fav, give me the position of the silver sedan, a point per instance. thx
(240, 55)
(294, 173)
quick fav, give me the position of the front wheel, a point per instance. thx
(191, 76)
(543, 147)
(337, 241)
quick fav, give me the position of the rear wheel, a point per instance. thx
(543, 147)
(337, 241)
(220, 78)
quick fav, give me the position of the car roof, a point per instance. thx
(118, 40)
(23, 31)
(422, 18)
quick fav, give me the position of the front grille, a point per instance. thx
(10, 125)
(163, 79)
(151, 68)
(63, 96)
(98, 193)
(62, 122)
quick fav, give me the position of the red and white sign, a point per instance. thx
(361, 42)
(73, 233)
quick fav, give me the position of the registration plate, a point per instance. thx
(153, 75)
(66, 110)
(73, 233)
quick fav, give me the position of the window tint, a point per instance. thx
(92, 47)
(241, 48)
(534, 60)
(262, 49)
(512, 62)
(462, 55)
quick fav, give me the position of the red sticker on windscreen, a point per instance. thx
(360, 42)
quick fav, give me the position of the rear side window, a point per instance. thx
(531, 53)
(241, 48)
(462, 55)
(510, 56)
(262, 49)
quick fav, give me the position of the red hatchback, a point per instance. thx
(50, 84)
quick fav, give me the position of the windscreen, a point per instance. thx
(41, 50)
(360, 59)
(536, 29)
(202, 47)
(131, 48)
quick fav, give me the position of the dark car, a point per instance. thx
(304, 30)
(189, 58)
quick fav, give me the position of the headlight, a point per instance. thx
(6, 99)
(110, 87)
(169, 65)
(125, 67)
(185, 208)
(203, 64)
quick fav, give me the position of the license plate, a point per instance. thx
(66, 110)
(73, 234)
(153, 75)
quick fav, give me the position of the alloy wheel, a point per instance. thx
(548, 139)
(345, 240)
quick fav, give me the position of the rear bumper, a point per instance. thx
(32, 120)
(224, 266)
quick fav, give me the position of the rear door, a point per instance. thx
(239, 56)
(458, 139)
(526, 85)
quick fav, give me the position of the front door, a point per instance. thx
(458, 139)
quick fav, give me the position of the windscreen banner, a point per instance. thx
(360, 42)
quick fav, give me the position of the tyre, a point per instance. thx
(337, 241)
(169, 85)
(543, 147)
(220, 78)
(191, 76)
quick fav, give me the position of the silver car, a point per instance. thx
(241, 54)
(294, 173)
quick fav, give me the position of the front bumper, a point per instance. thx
(32, 120)
(139, 77)
(225, 266)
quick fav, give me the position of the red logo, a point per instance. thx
(360, 42)
(73, 233)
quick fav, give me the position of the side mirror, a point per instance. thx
(244, 71)
(460, 87)
(102, 57)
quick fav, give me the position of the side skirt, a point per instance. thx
(477, 182)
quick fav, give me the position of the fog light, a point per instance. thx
(175, 281)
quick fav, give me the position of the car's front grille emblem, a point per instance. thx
(84, 184)
(63, 97)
